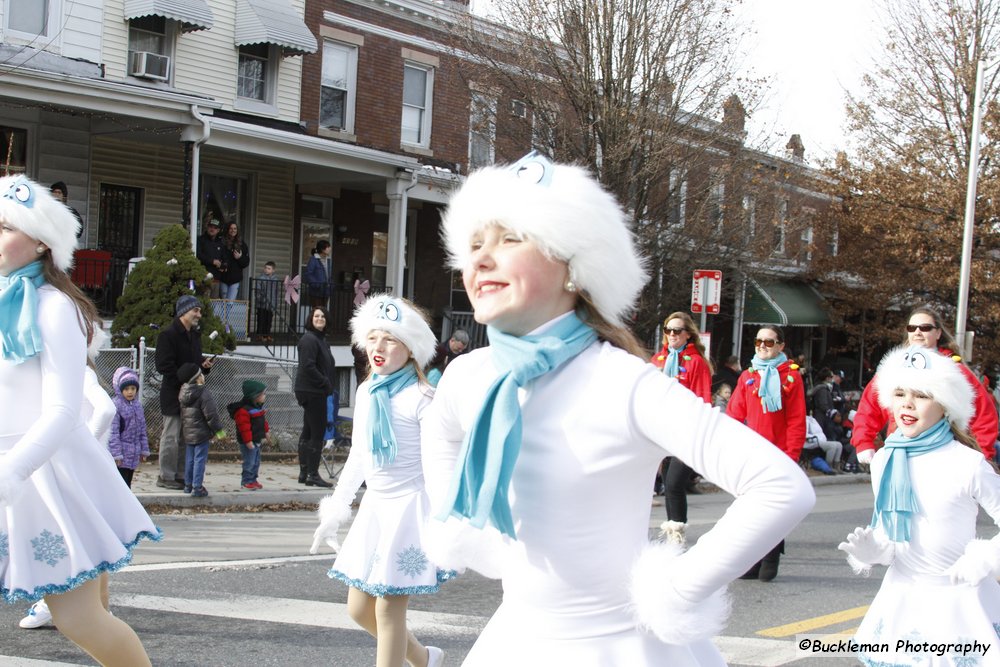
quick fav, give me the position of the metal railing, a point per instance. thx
(101, 278)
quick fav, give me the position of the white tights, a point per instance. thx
(82, 616)
(384, 618)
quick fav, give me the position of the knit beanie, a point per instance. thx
(252, 389)
(188, 372)
(566, 212)
(400, 318)
(186, 303)
(32, 209)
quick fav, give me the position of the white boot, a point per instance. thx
(673, 531)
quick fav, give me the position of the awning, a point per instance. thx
(191, 14)
(783, 303)
(273, 22)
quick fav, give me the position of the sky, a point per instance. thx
(811, 50)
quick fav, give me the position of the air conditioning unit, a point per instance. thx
(148, 65)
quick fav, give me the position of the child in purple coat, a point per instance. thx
(128, 443)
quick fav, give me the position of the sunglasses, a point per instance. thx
(672, 330)
(765, 342)
(923, 327)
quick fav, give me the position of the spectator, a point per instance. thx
(129, 444)
(211, 252)
(236, 257)
(201, 424)
(447, 352)
(314, 382)
(770, 399)
(252, 430)
(829, 450)
(721, 397)
(178, 344)
(316, 277)
(267, 290)
(728, 373)
(61, 192)
(820, 397)
(839, 399)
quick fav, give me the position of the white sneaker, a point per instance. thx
(435, 657)
(38, 616)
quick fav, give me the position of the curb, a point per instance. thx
(181, 500)
(817, 480)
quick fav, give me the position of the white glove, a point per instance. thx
(980, 560)
(864, 548)
(866, 455)
(332, 512)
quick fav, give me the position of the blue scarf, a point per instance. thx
(895, 503)
(672, 365)
(769, 389)
(20, 338)
(382, 388)
(480, 487)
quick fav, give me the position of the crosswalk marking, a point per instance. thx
(756, 652)
(331, 615)
(799, 627)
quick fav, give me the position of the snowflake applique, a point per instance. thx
(4, 545)
(996, 629)
(411, 561)
(49, 548)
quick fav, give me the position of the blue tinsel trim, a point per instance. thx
(382, 590)
(12, 596)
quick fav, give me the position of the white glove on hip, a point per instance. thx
(866, 455)
(332, 512)
(980, 560)
(864, 548)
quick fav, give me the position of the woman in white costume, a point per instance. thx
(383, 559)
(541, 448)
(930, 479)
(66, 516)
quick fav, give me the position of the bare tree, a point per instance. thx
(633, 89)
(903, 188)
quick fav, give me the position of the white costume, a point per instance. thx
(917, 600)
(71, 517)
(594, 432)
(383, 553)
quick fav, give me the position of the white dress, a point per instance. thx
(594, 433)
(916, 601)
(383, 552)
(74, 517)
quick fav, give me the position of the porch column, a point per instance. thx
(396, 189)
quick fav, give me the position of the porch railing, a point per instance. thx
(101, 277)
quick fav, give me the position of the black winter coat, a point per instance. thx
(234, 267)
(316, 365)
(175, 346)
(211, 249)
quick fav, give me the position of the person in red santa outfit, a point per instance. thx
(770, 399)
(683, 357)
(925, 329)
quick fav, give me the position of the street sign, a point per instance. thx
(706, 291)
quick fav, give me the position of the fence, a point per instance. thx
(284, 416)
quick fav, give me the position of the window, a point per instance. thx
(482, 131)
(716, 198)
(13, 151)
(32, 17)
(418, 86)
(750, 214)
(252, 75)
(677, 211)
(834, 242)
(338, 86)
(150, 35)
(779, 227)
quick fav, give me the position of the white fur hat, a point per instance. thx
(31, 208)
(398, 317)
(564, 210)
(929, 372)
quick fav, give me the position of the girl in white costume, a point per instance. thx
(66, 516)
(541, 448)
(930, 479)
(383, 559)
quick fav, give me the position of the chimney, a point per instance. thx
(795, 150)
(734, 116)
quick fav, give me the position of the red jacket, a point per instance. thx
(692, 370)
(786, 428)
(872, 417)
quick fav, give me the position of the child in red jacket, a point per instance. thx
(251, 429)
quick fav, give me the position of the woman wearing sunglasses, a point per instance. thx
(924, 329)
(769, 398)
(684, 357)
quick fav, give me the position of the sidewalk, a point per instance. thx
(280, 480)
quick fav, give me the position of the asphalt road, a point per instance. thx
(241, 589)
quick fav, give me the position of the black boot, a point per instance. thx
(303, 461)
(313, 478)
(752, 573)
(769, 566)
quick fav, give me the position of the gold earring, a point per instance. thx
(40, 249)
(570, 286)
